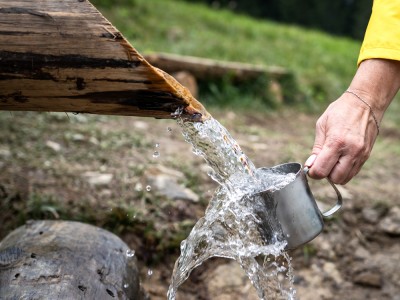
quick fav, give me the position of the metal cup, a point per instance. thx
(296, 209)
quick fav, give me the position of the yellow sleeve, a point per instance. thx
(382, 38)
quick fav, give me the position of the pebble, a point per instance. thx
(332, 272)
(165, 182)
(391, 223)
(370, 215)
(371, 278)
(56, 147)
(98, 179)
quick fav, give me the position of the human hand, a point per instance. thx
(347, 130)
(345, 135)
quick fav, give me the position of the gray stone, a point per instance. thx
(165, 182)
(391, 223)
(98, 179)
(66, 260)
(371, 215)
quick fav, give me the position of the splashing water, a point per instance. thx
(237, 224)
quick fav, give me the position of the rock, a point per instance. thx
(229, 282)
(77, 137)
(312, 286)
(170, 188)
(66, 260)
(361, 253)
(164, 181)
(371, 278)
(5, 152)
(371, 215)
(56, 147)
(98, 179)
(391, 223)
(141, 125)
(332, 272)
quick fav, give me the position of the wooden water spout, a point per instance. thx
(65, 56)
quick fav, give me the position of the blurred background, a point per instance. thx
(138, 178)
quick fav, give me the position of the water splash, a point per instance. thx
(130, 253)
(237, 224)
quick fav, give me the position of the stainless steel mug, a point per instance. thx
(296, 209)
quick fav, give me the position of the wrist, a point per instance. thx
(377, 82)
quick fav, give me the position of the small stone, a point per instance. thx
(77, 137)
(332, 272)
(56, 147)
(165, 182)
(391, 223)
(370, 215)
(141, 125)
(227, 280)
(97, 179)
(371, 278)
(4, 152)
(361, 253)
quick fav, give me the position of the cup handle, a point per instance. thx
(339, 201)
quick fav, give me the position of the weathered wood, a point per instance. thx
(66, 260)
(65, 56)
(206, 69)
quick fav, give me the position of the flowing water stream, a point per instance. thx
(237, 224)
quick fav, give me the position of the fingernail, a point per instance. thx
(309, 162)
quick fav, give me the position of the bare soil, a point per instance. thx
(95, 169)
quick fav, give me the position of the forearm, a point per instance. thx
(377, 81)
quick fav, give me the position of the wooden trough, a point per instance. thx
(65, 56)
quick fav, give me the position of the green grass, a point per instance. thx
(322, 64)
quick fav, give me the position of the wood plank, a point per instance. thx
(65, 56)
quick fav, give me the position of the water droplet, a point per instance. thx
(156, 154)
(148, 188)
(126, 285)
(149, 272)
(130, 253)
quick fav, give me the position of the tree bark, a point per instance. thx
(65, 56)
(66, 260)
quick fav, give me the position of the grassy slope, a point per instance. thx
(323, 64)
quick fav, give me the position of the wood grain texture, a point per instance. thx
(65, 56)
(66, 260)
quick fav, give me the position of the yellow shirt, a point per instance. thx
(382, 38)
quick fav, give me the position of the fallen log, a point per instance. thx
(66, 260)
(65, 56)
(206, 69)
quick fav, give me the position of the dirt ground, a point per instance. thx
(95, 169)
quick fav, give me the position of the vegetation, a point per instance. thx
(322, 64)
(341, 17)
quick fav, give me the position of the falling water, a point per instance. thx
(237, 224)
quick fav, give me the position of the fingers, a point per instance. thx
(325, 161)
(343, 171)
(345, 134)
